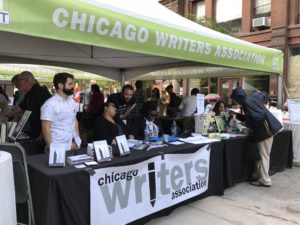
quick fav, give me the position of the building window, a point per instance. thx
(205, 85)
(255, 83)
(227, 12)
(262, 8)
(229, 15)
(200, 9)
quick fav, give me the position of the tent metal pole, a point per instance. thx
(122, 77)
(280, 90)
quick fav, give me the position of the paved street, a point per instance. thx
(245, 204)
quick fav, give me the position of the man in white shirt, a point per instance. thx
(58, 114)
(189, 105)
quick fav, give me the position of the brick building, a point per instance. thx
(271, 23)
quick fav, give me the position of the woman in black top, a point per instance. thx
(107, 126)
(219, 108)
(149, 121)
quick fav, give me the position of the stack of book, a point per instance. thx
(78, 159)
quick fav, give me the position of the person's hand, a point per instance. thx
(74, 146)
(40, 137)
(232, 112)
(130, 136)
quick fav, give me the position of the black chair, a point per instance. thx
(21, 178)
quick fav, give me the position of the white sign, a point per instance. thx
(294, 111)
(122, 145)
(200, 104)
(149, 186)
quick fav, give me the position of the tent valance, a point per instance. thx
(131, 37)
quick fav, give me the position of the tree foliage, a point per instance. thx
(211, 23)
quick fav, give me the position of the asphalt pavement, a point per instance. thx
(245, 204)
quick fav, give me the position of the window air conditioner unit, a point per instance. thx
(261, 22)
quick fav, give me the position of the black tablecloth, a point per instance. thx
(238, 168)
(61, 196)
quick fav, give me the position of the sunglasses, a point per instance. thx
(153, 115)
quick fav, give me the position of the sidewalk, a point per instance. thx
(245, 204)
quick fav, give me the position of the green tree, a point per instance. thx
(210, 22)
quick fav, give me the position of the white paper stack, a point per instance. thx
(78, 159)
(198, 139)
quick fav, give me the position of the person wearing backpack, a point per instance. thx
(263, 127)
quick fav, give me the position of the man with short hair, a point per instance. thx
(123, 101)
(58, 114)
(18, 96)
(175, 101)
(35, 96)
(139, 102)
(188, 105)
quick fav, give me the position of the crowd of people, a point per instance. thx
(53, 117)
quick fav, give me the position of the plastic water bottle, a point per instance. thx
(174, 129)
(146, 134)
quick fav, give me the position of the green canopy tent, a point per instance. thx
(119, 39)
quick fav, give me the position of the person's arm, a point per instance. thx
(158, 123)
(47, 117)
(14, 112)
(130, 106)
(181, 106)
(76, 127)
(46, 129)
(238, 116)
(77, 141)
(127, 111)
(125, 128)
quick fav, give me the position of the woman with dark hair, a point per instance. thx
(148, 122)
(155, 96)
(3, 105)
(219, 107)
(108, 126)
(96, 101)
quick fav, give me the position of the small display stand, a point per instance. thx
(123, 148)
(57, 156)
(102, 151)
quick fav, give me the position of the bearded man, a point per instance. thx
(58, 114)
